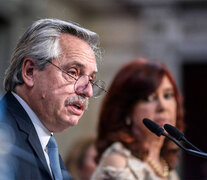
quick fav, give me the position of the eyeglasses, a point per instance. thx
(83, 81)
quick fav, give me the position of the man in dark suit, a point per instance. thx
(48, 84)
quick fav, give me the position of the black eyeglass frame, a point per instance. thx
(76, 79)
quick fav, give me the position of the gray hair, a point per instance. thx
(41, 43)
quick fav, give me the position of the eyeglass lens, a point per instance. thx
(83, 81)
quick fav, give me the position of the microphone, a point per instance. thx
(174, 132)
(155, 128)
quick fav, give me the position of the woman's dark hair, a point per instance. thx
(134, 82)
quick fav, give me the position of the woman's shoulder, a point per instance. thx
(115, 156)
(118, 148)
(115, 159)
(114, 164)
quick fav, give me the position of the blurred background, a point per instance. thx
(172, 31)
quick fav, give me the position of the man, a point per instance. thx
(48, 84)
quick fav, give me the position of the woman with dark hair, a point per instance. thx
(127, 150)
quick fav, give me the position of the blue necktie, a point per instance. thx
(54, 158)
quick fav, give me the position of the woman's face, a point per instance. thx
(160, 106)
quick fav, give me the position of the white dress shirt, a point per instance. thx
(42, 132)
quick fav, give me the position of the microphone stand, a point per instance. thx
(189, 151)
(156, 129)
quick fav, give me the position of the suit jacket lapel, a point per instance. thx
(25, 124)
(35, 143)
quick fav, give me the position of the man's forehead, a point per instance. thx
(77, 52)
(71, 40)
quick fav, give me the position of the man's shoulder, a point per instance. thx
(3, 105)
(6, 102)
(9, 103)
(7, 99)
(8, 96)
(11, 111)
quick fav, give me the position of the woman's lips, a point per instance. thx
(162, 121)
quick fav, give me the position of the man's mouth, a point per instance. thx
(78, 105)
(75, 108)
(77, 102)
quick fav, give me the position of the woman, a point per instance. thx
(127, 150)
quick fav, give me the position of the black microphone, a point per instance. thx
(155, 128)
(174, 132)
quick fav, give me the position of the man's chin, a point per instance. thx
(65, 126)
(69, 121)
(73, 122)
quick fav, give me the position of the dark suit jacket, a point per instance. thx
(24, 158)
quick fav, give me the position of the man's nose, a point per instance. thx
(86, 90)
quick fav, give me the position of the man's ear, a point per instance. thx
(28, 71)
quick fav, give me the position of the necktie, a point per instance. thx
(54, 158)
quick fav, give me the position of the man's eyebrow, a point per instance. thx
(77, 64)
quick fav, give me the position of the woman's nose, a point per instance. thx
(161, 105)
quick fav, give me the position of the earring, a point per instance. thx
(128, 121)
